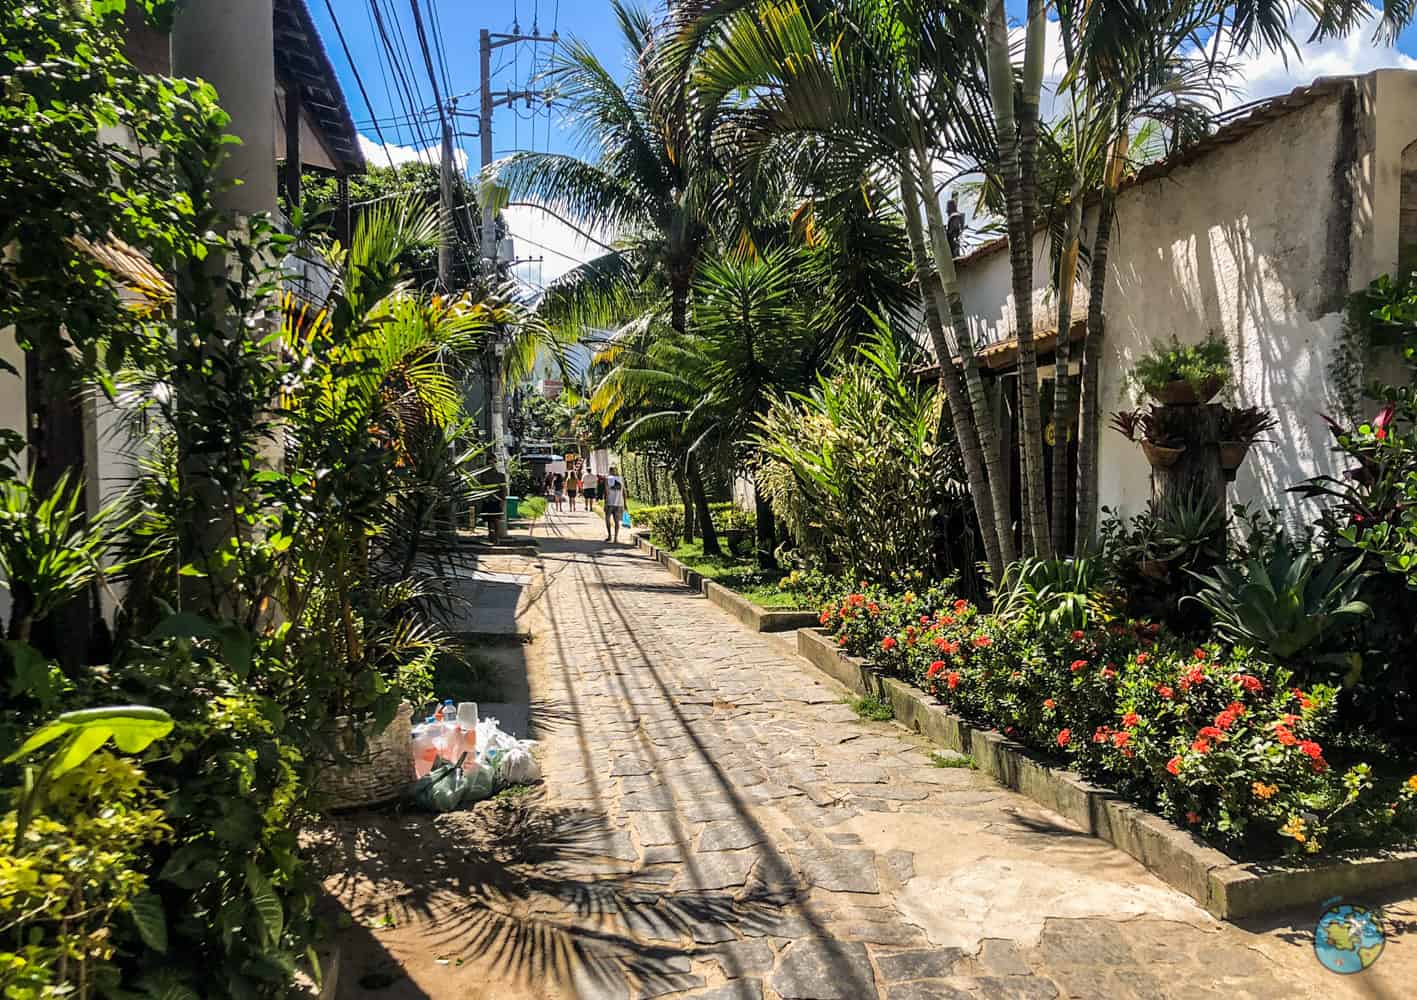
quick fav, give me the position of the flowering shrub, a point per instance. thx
(1212, 737)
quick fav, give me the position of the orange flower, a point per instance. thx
(1263, 791)
(1130, 719)
(888, 643)
(1077, 665)
(1141, 659)
(953, 679)
(1199, 654)
(961, 605)
(1165, 691)
(1049, 704)
(982, 642)
(936, 668)
(1174, 765)
(1121, 739)
(1193, 817)
(1064, 737)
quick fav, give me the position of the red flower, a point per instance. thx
(1249, 682)
(1174, 765)
(1130, 719)
(841, 641)
(874, 608)
(1077, 635)
(1212, 733)
(953, 679)
(1285, 737)
(826, 616)
(1008, 730)
(982, 642)
(1199, 653)
(888, 643)
(1196, 675)
(1193, 817)
(1201, 746)
(1077, 665)
(1233, 712)
(857, 599)
(1165, 691)
(1101, 735)
(924, 619)
(1141, 659)
(1108, 673)
(961, 605)
(1120, 740)
(936, 668)
(1304, 700)
(1050, 704)
(951, 648)
(1064, 737)
(947, 619)
(1311, 749)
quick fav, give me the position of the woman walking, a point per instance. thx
(558, 483)
(573, 487)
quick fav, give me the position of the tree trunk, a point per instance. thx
(687, 504)
(706, 529)
(680, 278)
(1064, 403)
(1015, 140)
(953, 306)
(961, 415)
(766, 530)
(1089, 438)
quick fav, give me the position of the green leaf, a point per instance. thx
(151, 921)
(32, 675)
(269, 912)
(237, 647)
(185, 625)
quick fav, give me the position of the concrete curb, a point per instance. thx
(756, 618)
(1229, 889)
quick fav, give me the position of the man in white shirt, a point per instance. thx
(614, 503)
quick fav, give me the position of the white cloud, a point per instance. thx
(538, 234)
(1268, 75)
(378, 155)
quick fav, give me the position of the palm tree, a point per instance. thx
(868, 94)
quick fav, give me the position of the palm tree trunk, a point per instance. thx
(1064, 404)
(961, 415)
(1088, 439)
(953, 306)
(706, 529)
(680, 278)
(683, 488)
(1017, 192)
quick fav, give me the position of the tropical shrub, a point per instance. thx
(1211, 736)
(859, 468)
(666, 526)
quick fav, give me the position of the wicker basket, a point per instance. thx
(380, 775)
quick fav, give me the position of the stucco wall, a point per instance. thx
(1250, 242)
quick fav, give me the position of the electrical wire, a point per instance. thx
(358, 80)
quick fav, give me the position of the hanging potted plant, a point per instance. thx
(1160, 449)
(1177, 375)
(1239, 428)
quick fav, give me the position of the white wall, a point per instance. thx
(1240, 243)
(12, 416)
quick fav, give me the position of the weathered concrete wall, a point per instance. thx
(1259, 241)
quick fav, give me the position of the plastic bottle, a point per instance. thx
(424, 748)
(438, 714)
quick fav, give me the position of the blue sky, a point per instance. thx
(593, 21)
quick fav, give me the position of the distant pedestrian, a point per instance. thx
(573, 487)
(614, 504)
(548, 490)
(558, 485)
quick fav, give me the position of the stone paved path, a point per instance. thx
(718, 824)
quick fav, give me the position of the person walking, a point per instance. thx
(573, 487)
(614, 504)
(558, 483)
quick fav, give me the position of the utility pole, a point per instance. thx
(486, 42)
(445, 192)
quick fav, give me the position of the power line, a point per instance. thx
(359, 82)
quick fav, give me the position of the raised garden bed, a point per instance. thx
(757, 618)
(1227, 888)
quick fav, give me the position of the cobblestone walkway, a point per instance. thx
(718, 824)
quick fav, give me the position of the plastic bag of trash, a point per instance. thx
(509, 758)
(479, 782)
(441, 789)
(517, 767)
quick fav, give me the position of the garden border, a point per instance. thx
(1229, 889)
(757, 618)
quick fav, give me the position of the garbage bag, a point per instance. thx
(441, 789)
(625, 520)
(517, 767)
(479, 783)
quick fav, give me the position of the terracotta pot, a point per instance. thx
(1161, 457)
(1232, 453)
(1182, 393)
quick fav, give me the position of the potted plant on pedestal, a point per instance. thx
(1161, 449)
(1239, 427)
(1181, 375)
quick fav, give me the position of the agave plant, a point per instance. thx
(1293, 606)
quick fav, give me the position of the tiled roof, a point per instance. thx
(301, 59)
